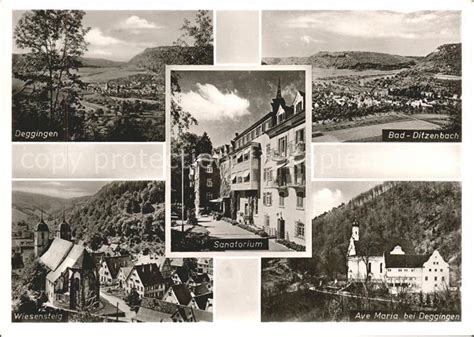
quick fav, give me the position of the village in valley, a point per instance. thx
(106, 278)
(110, 84)
(366, 83)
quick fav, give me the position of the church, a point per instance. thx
(72, 281)
(425, 273)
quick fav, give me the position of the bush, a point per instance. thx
(292, 245)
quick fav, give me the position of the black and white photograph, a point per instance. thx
(99, 75)
(378, 76)
(93, 251)
(382, 251)
(238, 160)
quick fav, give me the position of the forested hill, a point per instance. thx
(132, 210)
(421, 216)
(446, 59)
(155, 59)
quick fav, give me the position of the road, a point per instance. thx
(129, 314)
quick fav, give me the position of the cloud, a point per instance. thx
(99, 52)
(325, 199)
(379, 24)
(96, 37)
(135, 22)
(308, 39)
(209, 103)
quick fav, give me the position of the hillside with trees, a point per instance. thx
(131, 210)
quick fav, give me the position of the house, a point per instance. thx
(268, 178)
(425, 273)
(110, 266)
(122, 276)
(154, 310)
(205, 266)
(178, 294)
(205, 179)
(147, 280)
(72, 280)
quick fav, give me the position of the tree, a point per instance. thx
(54, 41)
(196, 44)
(199, 35)
(133, 299)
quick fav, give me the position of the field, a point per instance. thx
(373, 131)
(319, 73)
(104, 74)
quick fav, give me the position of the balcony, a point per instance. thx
(298, 182)
(278, 156)
(297, 150)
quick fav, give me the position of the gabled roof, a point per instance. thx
(56, 253)
(183, 274)
(182, 293)
(203, 288)
(77, 258)
(200, 278)
(176, 262)
(149, 274)
(149, 315)
(114, 263)
(202, 300)
(126, 271)
(405, 260)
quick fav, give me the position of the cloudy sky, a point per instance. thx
(303, 33)
(60, 189)
(226, 102)
(329, 194)
(120, 35)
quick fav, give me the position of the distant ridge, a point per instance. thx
(445, 59)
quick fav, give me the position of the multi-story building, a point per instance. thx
(399, 271)
(268, 171)
(205, 178)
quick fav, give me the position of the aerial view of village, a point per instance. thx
(238, 160)
(93, 251)
(99, 75)
(386, 251)
(377, 75)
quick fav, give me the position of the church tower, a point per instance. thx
(278, 101)
(64, 230)
(355, 230)
(41, 237)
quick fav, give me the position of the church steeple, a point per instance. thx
(355, 230)
(41, 236)
(278, 95)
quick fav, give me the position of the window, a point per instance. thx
(299, 201)
(299, 136)
(442, 278)
(268, 149)
(209, 182)
(209, 169)
(441, 270)
(436, 278)
(370, 267)
(208, 196)
(281, 202)
(299, 229)
(381, 267)
(430, 269)
(282, 145)
(436, 269)
(259, 130)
